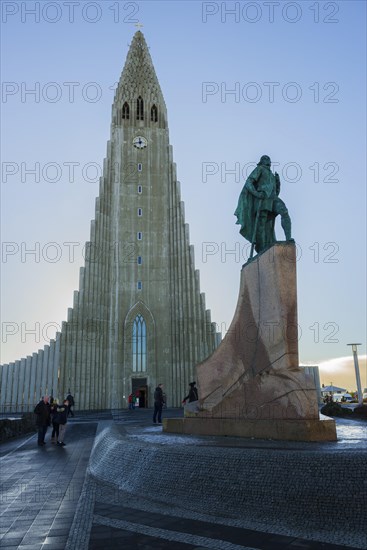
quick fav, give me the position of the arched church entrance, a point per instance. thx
(140, 390)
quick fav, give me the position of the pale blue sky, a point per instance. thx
(316, 119)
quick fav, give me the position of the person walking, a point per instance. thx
(158, 404)
(61, 419)
(43, 413)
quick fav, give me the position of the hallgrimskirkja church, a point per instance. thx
(138, 318)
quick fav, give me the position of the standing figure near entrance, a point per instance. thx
(259, 205)
(158, 404)
(131, 401)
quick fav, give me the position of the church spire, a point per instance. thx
(138, 317)
(138, 92)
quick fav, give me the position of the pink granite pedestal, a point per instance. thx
(252, 385)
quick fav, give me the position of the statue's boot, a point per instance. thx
(287, 227)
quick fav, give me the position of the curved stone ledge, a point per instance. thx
(227, 482)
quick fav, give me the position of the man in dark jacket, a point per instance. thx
(43, 420)
(158, 404)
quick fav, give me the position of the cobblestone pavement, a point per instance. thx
(40, 488)
(48, 500)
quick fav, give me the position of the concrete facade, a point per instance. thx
(138, 318)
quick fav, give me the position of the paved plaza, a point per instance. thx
(122, 483)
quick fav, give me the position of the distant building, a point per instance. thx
(315, 374)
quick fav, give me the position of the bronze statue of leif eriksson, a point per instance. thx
(259, 205)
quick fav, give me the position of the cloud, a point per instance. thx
(342, 371)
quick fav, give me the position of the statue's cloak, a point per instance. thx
(246, 213)
(260, 179)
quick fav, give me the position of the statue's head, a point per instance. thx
(265, 161)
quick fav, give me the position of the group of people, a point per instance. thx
(49, 412)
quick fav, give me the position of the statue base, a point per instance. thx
(322, 429)
(252, 385)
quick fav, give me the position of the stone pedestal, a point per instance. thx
(251, 385)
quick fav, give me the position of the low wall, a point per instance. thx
(14, 427)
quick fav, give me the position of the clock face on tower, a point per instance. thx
(140, 142)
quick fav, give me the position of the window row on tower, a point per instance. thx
(125, 113)
(139, 235)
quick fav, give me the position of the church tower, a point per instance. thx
(138, 318)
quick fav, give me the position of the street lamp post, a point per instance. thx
(358, 377)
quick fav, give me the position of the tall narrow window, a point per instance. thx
(139, 236)
(140, 211)
(140, 167)
(140, 189)
(139, 341)
(125, 111)
(154, 114)
(140, 260)
(139, 108)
